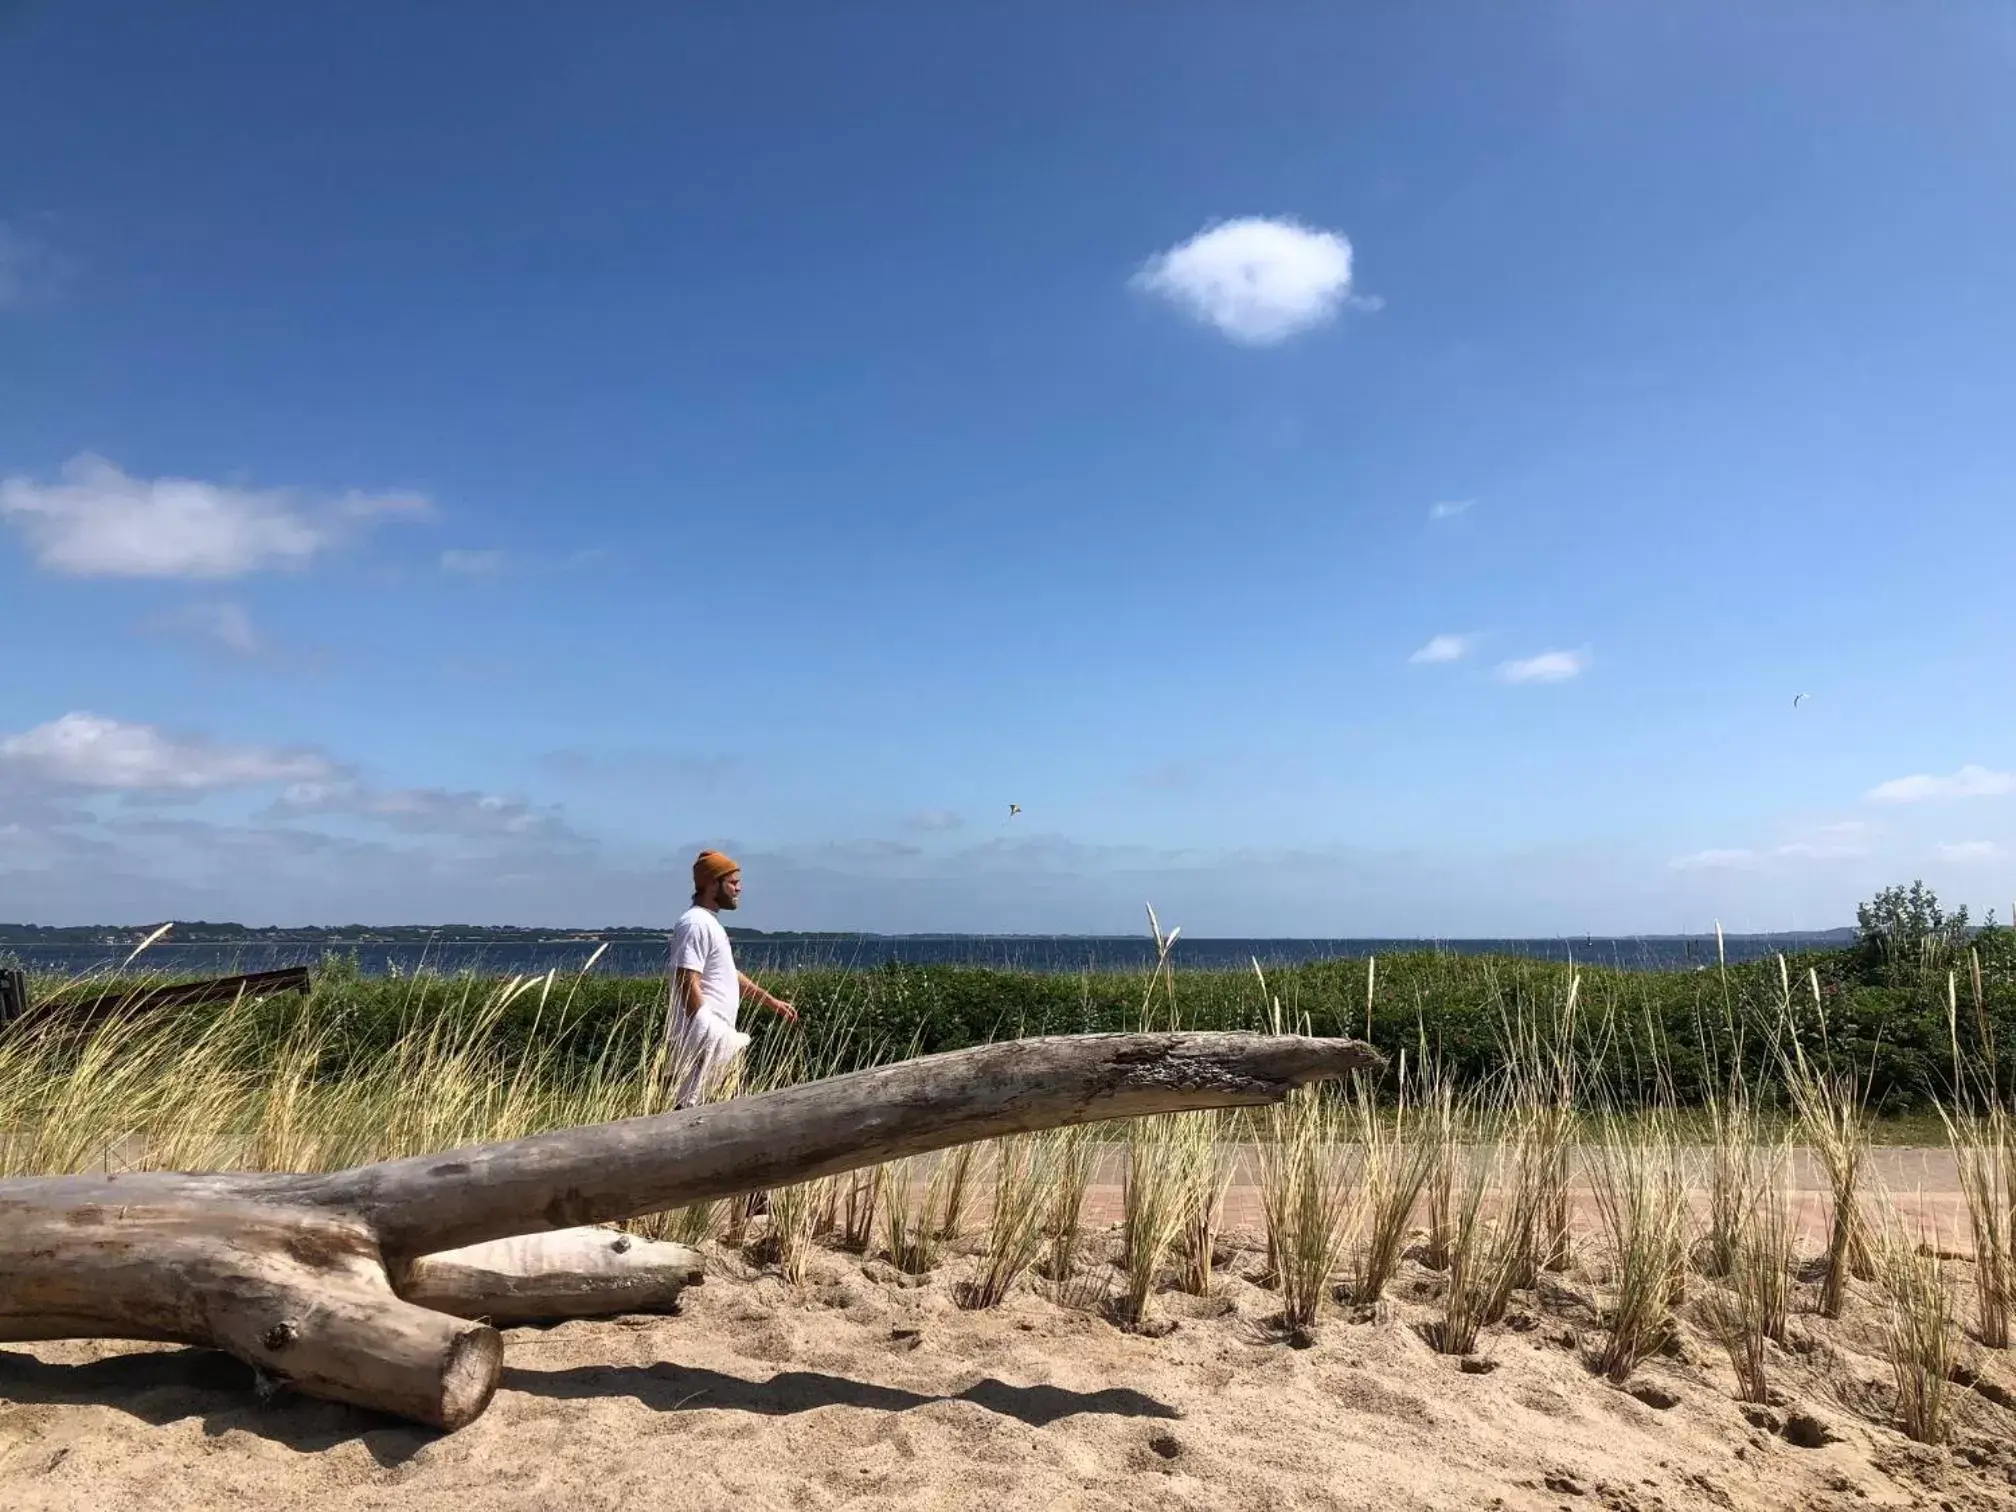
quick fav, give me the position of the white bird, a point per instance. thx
(1799, 698)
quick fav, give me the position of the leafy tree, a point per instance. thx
(1904, 927)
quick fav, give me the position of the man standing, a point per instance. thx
(706, 988)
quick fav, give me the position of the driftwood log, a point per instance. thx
(324, 1282)
(543, 1278)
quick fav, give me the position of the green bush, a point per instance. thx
(1885, 1017)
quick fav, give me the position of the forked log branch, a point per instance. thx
(325, 1282)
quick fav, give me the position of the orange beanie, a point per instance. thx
(710, 867)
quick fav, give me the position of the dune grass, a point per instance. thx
(1980, 1125)
(1024, 1168)
(1308, 1185)
(1919, 1330)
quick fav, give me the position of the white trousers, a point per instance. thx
(703, 1048)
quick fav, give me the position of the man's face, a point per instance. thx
(728, 891)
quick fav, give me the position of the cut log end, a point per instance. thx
(469, 1379)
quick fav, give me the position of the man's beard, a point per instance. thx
(725, 903)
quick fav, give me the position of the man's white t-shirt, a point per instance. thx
(699, 943)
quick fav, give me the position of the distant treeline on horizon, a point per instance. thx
(199, 932)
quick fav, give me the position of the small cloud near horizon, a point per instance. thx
(936, 821)
(1449, 509)
(1445, 648)
(1256, 280)
(1970, 850)
(1547, 667)
(1842, 841)
(1969, 782)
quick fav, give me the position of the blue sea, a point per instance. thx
(1021, 952)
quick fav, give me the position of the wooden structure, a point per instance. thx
(13, 995)
(324, 1282)
(85, 1011)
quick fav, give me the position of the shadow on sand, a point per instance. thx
(170, 1385)
(668, 1387)
(162, 1386)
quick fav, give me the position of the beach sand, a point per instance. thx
(858, 1390)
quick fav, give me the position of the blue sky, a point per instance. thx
(1339, 473)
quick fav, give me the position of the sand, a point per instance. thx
(858, 1390)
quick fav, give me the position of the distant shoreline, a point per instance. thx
(201, 933)
(219, 951)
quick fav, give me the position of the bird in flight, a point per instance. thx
(1799, 698)
(1014, 809)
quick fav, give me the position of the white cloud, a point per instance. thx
(1970, 850)
(1258, 281)
(934, 821)
(1445, 648)
(101, 522)
(1448, 509)
(1547, 667)
(1968, 782)
(1714, 860)
(97, 754)
(222, 624)
(472, 562)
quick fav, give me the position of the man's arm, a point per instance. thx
(688, 981)
(767, 998)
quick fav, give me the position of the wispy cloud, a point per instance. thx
(424, 810)
(1841, 841)
(1445, 648)
(1449, 509)
(219, 624)
(1829, 842)
(101, 522)
(1547, 667)
(935, 821)
(1968, 782)
(28, 269)
(1970, 850)
(472, 563)
(1256, 280)
(92, 753)
(1714, 860)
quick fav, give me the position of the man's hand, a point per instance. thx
(783, 1010)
